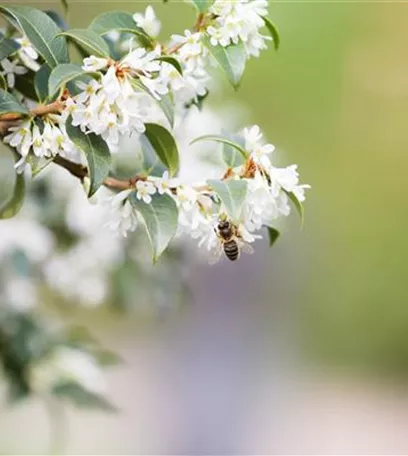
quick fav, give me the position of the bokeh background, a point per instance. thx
(302, 349)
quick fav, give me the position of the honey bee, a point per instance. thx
(231, 241)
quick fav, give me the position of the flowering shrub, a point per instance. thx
(131, 92)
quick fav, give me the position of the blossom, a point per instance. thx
(10, 69)
(253, 144)
(148, 22)
(88, 90)
(164, 184)
(144, 190)
(28, 53)
(142, 61)
(40, 144)
(236, 21)
(122, 216)
(93, 63)
(20, 137)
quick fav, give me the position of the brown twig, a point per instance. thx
(53, 108)
(80, 171)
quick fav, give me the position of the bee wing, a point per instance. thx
(246, 248)
(215, 254)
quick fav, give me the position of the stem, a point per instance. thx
(52, 108)
(81, 172)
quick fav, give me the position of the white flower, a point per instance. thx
(20, 138)
(88, 90)
(28, 53)
(253, 144)
(165, 184)
(93, 63)
(122, 215)
(144, 191)
(186, 197)
(218, 36)
(40, 144)
(142, 62)
(191, 49)
(148, 22)
(170, 76)
(10, 69)
(111, 85)
(155, 85)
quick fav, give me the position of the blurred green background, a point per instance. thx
(333, 100)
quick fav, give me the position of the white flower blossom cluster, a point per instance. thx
(114, 102)
(25, 57)
(238, 20)
(48, 142)
(199, 207)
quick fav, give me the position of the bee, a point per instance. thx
(231, 241)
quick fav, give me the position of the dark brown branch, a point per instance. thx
(81, 172)
(75, 169)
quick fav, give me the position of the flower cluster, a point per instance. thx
(45, 139)
(200, 208)
(25, 58)
(236, 21)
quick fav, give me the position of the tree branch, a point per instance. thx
(53, 108)
(80, 171)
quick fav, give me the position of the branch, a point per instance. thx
(80, 171)
(53, 108)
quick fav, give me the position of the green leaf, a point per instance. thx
(25, 85)
(41, 30)
(9, 103)
(119, 21)
(202, 5)
(232, 157)
(273, 31)
(172, 61)
(63, 74)
(232, 194)
(41, 82)
(7, 47)
(58, 19)
(164, 145)
(89, 40)
(166, 102)
(3, 82)
(96, 152)
(273, 234)
(160, 218)
(224, 140)
(12, 206)
(231, 59)
(299, 207)
(81, 397)
(37, 164)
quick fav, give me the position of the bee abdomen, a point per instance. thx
(231, 250)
